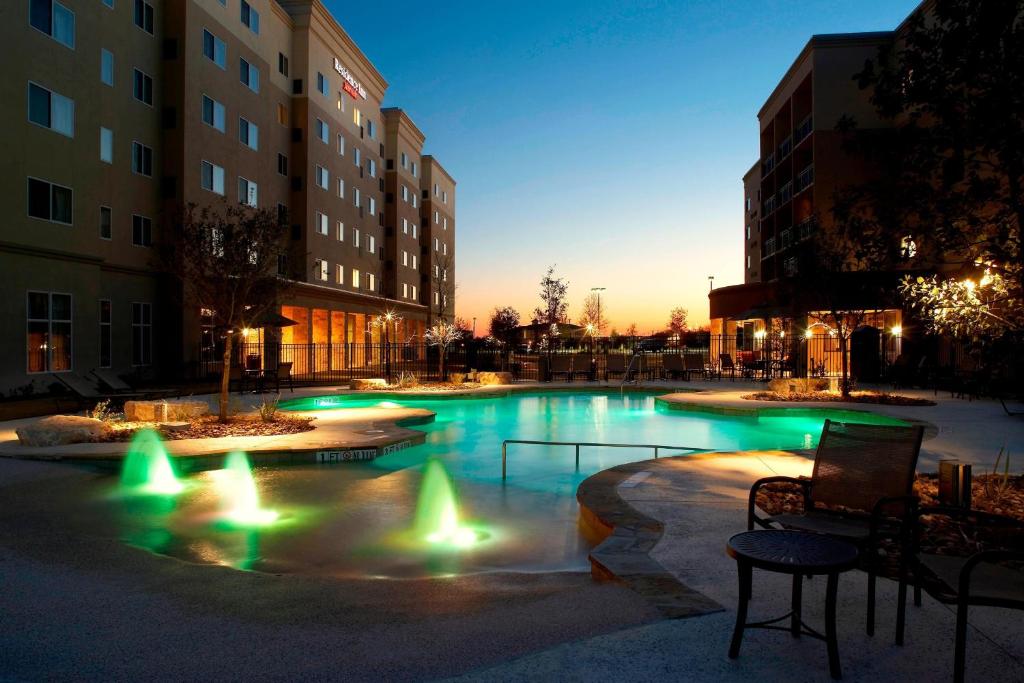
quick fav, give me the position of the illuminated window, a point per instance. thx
(48, 322)
(355, 274)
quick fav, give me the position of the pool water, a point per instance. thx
(352, 519)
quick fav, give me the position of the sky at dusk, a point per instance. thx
(608, 138)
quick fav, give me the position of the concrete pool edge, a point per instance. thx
(628, 536)
(359, 434)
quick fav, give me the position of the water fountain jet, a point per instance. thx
(147, 467)
(437, 512)
(241, 499)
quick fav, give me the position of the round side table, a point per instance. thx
(801, 554)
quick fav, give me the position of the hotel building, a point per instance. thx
(119, 112)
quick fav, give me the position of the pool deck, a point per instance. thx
(696, 503)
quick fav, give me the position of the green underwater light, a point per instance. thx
(241, 499)
(147, 467)
(437, 512)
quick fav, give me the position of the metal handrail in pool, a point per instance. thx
(577, 444)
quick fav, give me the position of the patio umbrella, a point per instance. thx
(272, 319)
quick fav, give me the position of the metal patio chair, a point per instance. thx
(861, 490)
(993, 576)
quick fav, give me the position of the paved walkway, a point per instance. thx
(701, 500)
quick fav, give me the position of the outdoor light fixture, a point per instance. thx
(808, 333)
(896, 330)
(760, 334)
(245, 332)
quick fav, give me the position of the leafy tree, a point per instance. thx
(554, 308)
(504, 321)
(226, 257)
(593, 313)
(954, 163)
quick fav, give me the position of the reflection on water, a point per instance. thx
(360, 519)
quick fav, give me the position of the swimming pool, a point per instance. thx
(352, 518)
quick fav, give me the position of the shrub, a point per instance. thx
(268, 408)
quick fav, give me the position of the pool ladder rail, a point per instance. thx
(579, 444)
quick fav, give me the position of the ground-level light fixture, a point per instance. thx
(759, 334)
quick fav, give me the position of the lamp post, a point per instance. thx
(711, 283)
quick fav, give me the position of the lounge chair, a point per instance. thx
(984, 579)
(583, 365)
(672, 366)
(560, 364)
(88, 392)
(694, 363)
(112, 381)
(615, 364)
(864, 474)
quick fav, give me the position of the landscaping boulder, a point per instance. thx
(364, 384)
(457, 377)
(59, 430)
(491, 378)
(164, 411)
(803, 385)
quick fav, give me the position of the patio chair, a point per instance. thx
(861, 490)
(113, 381)
(993, 576)
(560, 364)
(672, 366)
(583, 364)
(694, 363)
(725, 364)
(284, 374)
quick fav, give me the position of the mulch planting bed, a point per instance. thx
(209, 427)
(832, 397)
(940, 534)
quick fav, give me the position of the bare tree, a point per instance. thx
(593, 313)
(442, 335)
(226, 257)
(443, 306)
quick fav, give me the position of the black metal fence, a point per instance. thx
(871, 358)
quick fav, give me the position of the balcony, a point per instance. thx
(786, 238)
(786, 193)
(803, 129)
(769, 247)
(768, 206)
(785, 148)
(768, 164)
(805, 178)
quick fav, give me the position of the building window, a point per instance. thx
(436, 189)
(341, 187)
(413, 262)
(250, 17)
(105, 223)
(249, 75)
(405, 160)
(371, 244)
(357, 197)
(415, 228)
(341, 145)
(50, 110)
(413, 287)
(282, 114)
(247, 192)
(48, 332)
(341, 231)
(321, 223)
(323, 177)
(444, 222)
(53, 19)
(106, 67)
(323, 131)
(142, 231)
(405, 258)
(415, 204)
(444, 196)
(50, 202)
(355, 237)
(322, 84)
(415, 171)
(105, 333)
(142, 159)
(341, 102)
(248, 133)
(355, 276)
(371, 205)
(405, 193)
(282, 64)
(371, 129)
(339, 274)
(212, 178)
(142, 333)
(215, 50)
(144, 16)
(106, 145)
(371, 282)
(405, 291)
(357, 156)
(213, 113)
(357, 117)
(320, 270)
(405, 226)
(748, 261)
(142, 87)
(282, 164)
(372, 167)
